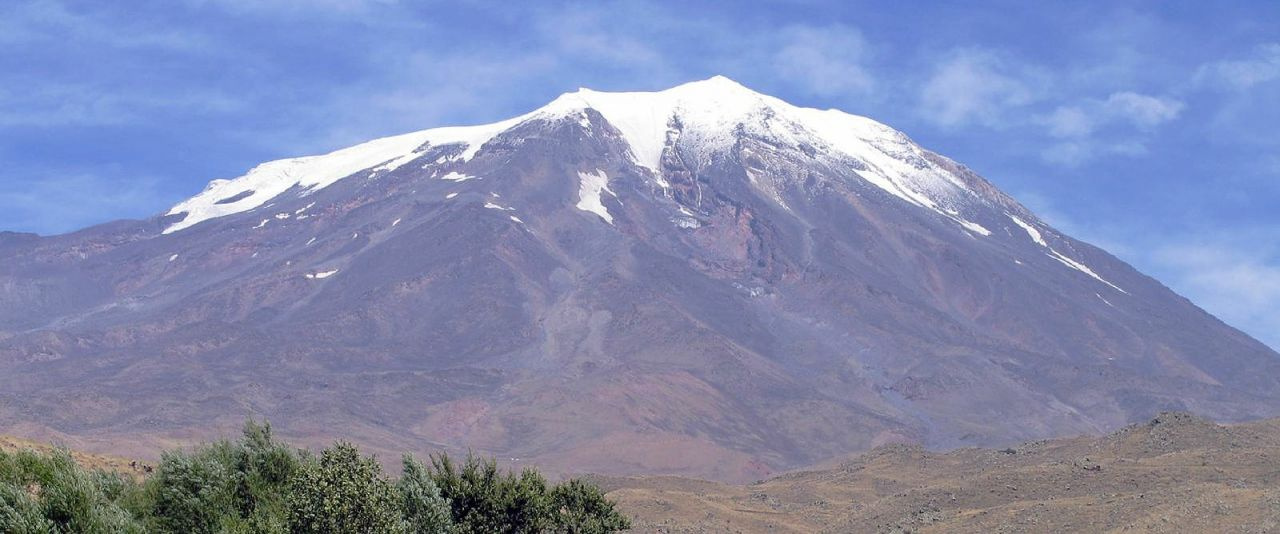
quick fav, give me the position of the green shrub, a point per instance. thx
(48, 492)
(20, 513)
(485, 499)
(426, 511)
(192, 493)
(257, 485)
(225, 486)
(343, 492)
(581, 508)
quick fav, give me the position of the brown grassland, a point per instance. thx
(1176, 473)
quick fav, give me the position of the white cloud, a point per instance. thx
(417, 90)
(1076, 152)
(977, 86)
(1243, 73)
(53, 105)
(1141, 110)
(1096, 127)
(1070, 121)
(1127, 108)
(50, 22)
(826, 61)
(589, 34)
(322, 7)
(1237, 281)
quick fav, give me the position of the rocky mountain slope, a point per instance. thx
(704, 281)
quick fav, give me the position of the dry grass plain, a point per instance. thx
(1176, 473)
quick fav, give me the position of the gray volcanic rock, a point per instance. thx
(704, 281)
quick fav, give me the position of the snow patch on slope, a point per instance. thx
(321, 275)
(1035, 235)
(1031, 231)
(1082, 268)
(972, 226)
(590, 186)
(457, 177)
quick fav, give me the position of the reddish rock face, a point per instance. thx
(759, 301)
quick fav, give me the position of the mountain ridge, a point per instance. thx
(761, 300)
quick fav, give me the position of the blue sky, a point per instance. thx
(1149, 128)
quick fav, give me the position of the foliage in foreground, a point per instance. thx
(42, 493)
(260, 485)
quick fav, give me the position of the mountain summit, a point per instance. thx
(703, 280)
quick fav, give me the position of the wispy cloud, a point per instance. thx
(44, 22)
(1237, 280)
(977, 86)
(593, 36)
(1142, 111)
(1126, 114)
(1077, 152)
(984, 88)
(319, 7)
(1243, 74)
(825, 60)
(55, 105)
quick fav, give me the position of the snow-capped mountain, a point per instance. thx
(703, 280)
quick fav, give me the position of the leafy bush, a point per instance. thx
(485, 499)
(343, 492)
(226, 486)
(41, 493)
(581, 508)
(426, 511)
(257, 485)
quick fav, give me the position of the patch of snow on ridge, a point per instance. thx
(311, 173)
(1082, 268)
(321, 275)
(1038, 238)
(457, 177)
(973, 226)
(590, 185)
(1031, 231)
